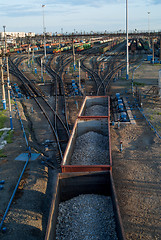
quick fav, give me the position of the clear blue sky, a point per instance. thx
(81, 15)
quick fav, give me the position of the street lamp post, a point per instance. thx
(4, 27)
(160, 50)
(41, 70)
(3, 88)
(9, 98)
(44, 31)
(79, 76)
(73, 54)
(149, 28)
(148, 23)
(127, 43)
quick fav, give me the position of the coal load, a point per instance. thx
(91, 148)
(96, 110)
(87, 216)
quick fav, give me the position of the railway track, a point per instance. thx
(98, 81)
(33, 90)
(59, 93)
(58, 127)
(101, 81)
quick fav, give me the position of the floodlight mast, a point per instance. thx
(44, 31)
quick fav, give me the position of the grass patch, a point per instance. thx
(122, 78)
(158, 127)
(2, 155)
(157, 113)
(1, 133)
(151, 117)
(139, 84)
(2, 118)
(9, 137)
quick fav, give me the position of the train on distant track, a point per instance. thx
(138, 44)
(51, 48)
(60, 47)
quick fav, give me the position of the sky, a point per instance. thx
(79, 16)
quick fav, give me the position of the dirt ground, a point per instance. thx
(136, 170)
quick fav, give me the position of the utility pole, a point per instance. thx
(160, 50)
(4, 27)
(29, 56)
(33, 57)
(149, 28)
(59, 42)
(79, 76)
(41, 69)
(73, 52)
(9, 88)
(148, 23)
(127, 43)
(44, 31)
(153, 50)
(3, 89)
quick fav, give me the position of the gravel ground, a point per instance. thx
(137, 171)
(91, 148)
(137, 179)
(96, 110)
(87, 217)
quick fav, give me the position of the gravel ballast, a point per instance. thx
(91, 148)
(87, 217)
(96, 110)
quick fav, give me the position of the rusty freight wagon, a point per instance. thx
(89, 146)
(84, 206)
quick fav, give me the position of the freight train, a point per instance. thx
(84, 47)
(104, 49)
(84, 204)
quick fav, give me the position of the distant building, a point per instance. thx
(49, 34)
(13, 35)
(30, 34)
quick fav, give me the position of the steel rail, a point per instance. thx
(50, 123)
(56, 76)
(94, 76)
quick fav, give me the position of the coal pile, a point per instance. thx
(96, 110)
(91, 148)
(86, 217)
